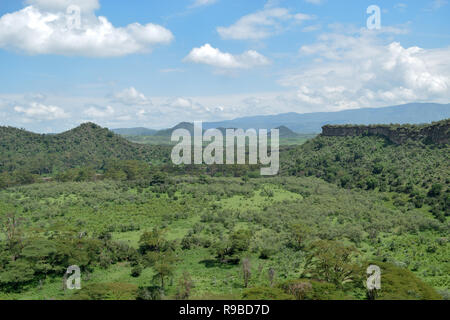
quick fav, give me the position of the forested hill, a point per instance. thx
(417, 169)
(134, 131)
(88, 144)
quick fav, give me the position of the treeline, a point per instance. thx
(30, 260)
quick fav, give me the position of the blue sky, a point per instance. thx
(156, 63)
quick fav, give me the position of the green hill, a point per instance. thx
(134, 131)
(168, 132)
(86, 145)
(285, 132)
(416, 169)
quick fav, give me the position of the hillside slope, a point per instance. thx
(416, 169)
(87, 144)
(134, 131)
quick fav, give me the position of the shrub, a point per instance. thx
(265, 293)
(136, 271)
(107, 291)
(401, 284)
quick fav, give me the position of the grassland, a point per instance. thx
(210, 212)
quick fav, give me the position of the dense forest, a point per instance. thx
(141, 228)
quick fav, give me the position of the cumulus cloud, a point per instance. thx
(56, 27)
(39, 111)
(214, 57)
(62, 5)
(261, 24)
(353, 71)
(131, 96)
(96, 112)
(180, 103)
(184, 106)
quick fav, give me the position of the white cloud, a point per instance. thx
(184, 105)
(364, 71)
(180, 103)
(45, 27)
(316, 2)
(97, 112)
(35, 97)
(214, 57)
(201, 3)
(312, 28)
(62, 5)
(131, 96)
(39, 111)
(261, 24)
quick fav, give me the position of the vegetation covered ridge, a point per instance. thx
(85, 144)
(436, 132)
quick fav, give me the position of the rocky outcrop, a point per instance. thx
(437, 132)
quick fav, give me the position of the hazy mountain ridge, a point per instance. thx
(414, 113)
(309, 123)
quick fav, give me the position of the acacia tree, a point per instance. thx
(164, 266)
(158, 254)
(299, 235)
(331, 261)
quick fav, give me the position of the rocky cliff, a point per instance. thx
(436, 132)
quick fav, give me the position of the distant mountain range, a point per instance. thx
(283, 131)
(414, 113)
(308, 123)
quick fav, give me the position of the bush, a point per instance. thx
(150, 293)
(107, 291)
(265, 293)
(313, 290)
(136, 271)
(401, 284)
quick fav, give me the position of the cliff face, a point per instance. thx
(437, 132)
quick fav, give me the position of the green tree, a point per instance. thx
(152, 241)
(164, 266)
(332, 261)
